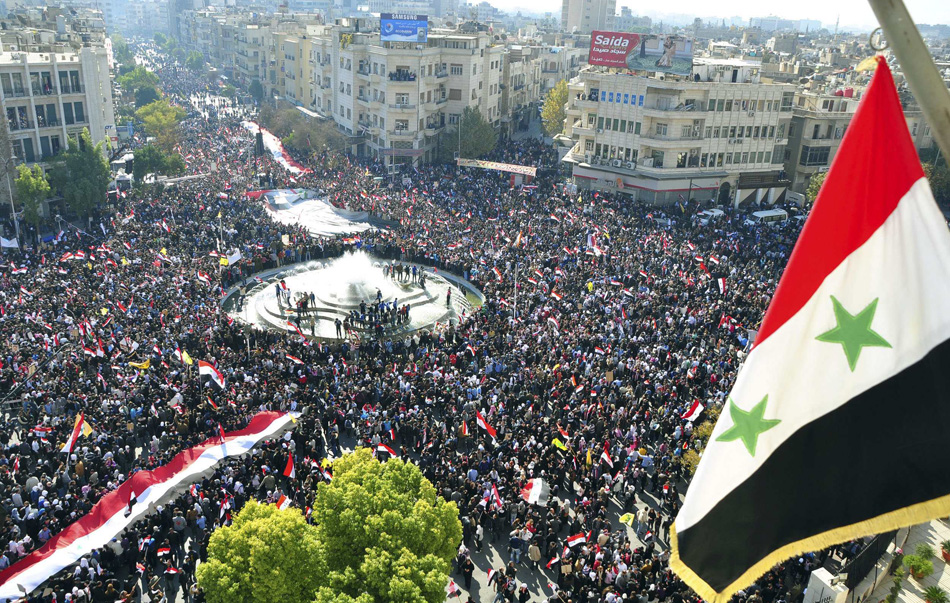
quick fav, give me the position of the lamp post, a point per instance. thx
(16, 224)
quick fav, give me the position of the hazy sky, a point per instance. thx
(852, 12)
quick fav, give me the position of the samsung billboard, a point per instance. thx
(667, 54)
(403, 28)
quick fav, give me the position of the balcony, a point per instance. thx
(363, 72)
(434, 128)
(22, 124)
(580, 128)
(548, 70)
(403, 134)
(72, 89)
(362, 99)
(15, 93)
(49, 123)
(402, 107)
(402, 76)
(43, 91)
(518, 87)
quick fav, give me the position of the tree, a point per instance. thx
(384, 533)
(814, 185)
(161, 120)
(152, 160)
(229, 91)
(554, 111)
(195, 61)
(140, 77)
(81, 174)
(160, 39)
(266, 555)
(146, 95)
(256, 90)
(478, 137)
(939, 178)
(120, 49)
(32, 189)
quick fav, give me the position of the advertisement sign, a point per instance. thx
(666, 54)
(403, 28)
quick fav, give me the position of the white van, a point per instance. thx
(709, 215)
(769, 216)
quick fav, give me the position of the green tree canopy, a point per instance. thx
(120, 49)
(814, 185)
(478, 136)
(160, 39)
(146, 95)
(140, 77)
(161, 120)
(81, 174)
(554, 111)
(382, 535)
(256, 90)
(32, 189)
(195, 61)
(266, 555)
(152, 160)
(384, 532)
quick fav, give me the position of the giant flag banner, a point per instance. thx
(116, 511)
(836, 425)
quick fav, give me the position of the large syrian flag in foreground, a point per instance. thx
(133, 500)
(838, 422)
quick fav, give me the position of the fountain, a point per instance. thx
(340, 285)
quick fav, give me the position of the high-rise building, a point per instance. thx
(584, 16)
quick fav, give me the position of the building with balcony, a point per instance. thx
(49, 97)
(720, 135)
(584, 16)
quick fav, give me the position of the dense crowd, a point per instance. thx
(623, 317)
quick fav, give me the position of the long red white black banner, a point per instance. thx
(107, 518)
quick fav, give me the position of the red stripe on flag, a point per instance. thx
(863, 188)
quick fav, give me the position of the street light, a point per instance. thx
(16, 224)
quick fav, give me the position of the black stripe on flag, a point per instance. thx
(882, 451)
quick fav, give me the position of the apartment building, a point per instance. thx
(719, 135)
(584, 16)
(50, 95)
(818, 125)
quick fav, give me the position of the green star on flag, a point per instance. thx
(853, 331)
(748, 425)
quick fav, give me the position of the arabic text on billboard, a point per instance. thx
(403, 28)
(667, 54)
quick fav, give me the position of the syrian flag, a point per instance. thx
(75, 433)
(165, 227)
(283, 502)
(464, 429)
(694, 411)
(554, 323)
(294, 359)
(384, 448)
(852, 352)
(204, 278)
(605, 457)
(290, 471)
(132, 501)
(536, 492)
(484, 424)
(722, 285)
(577, 539)
(210, 375)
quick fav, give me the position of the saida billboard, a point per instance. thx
(667, 54)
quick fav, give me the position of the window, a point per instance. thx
(755, 132)
(600, 123)
(732, 132)
(814, 156)
(702, 160)
(453, 117)
(728, 158)
(771, 131)
(588, 145)
(787, 98)
(455, 94)
(760, 157)
(720, 105)
(716, 132)
(913, 130)
(709, 131)
(402, 98)
(719, 160)
(616, 125)
(661, 129)
(686, 131)
(768, 157)
(402, 124)
(745, 158)
(636, 128)
(455, 69)
(741, 129)
(728, 105)
(748, 131)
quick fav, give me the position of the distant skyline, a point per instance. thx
(853, 14)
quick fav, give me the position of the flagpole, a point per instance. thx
(918, 67)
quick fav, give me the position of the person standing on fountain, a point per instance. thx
(339, 329)
(448, 298)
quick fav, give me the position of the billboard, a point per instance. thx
(667, 54)
(403, 28)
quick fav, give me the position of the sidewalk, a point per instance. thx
(912, 591)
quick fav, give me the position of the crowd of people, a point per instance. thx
(583, 372)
